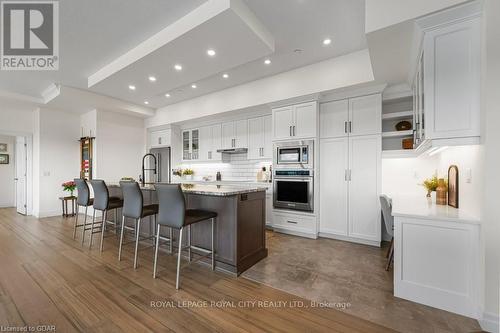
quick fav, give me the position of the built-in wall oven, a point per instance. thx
(294, 154)
(293, 189)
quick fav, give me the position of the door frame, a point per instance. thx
(29, 167)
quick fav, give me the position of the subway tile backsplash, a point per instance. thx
(233, 167)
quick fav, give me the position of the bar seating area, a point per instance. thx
(170, 212)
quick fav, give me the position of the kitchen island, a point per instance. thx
(240, 225)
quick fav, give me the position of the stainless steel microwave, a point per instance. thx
(294, 154)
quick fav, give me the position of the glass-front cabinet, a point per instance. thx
(418, 104)
(190, 145)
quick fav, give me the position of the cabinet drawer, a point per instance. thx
(294, 221)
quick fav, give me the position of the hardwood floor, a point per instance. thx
(341, 272)
(47, 278)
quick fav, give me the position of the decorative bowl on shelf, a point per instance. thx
(403, 125)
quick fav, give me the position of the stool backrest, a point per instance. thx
(386, 205)
(132, 199)
(101, 194)
(172, 205)
(82, 187)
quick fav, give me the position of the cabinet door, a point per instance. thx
(365, 115)
(364, 207)
(241, 133)
(255, 138)
(305, 120)
(155, 139)
(216, 143)
(195, 144)
(268, 137)
(228, 135)
(452, 67)
(283, 120)
(334, 186)
(333, 118)
(205, 143)
(186, 145)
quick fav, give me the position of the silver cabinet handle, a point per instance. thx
(345, 127)
(294, 130)
(292, 222)
(159, 140)
(350, 173)
(350, 127)
(290, 130)
(345, 174)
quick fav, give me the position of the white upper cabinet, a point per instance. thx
(216, 143)
(235, 134)
(191, 145)
(158, 139)
(333, 119)
(365, 114)
(259, 138)
(295, 121)
(452, 56)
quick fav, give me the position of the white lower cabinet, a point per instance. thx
(295, 223)
(350, 187)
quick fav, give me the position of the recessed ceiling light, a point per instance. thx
(146, 102)
(267, 61)
(225, 75)
(152, 79)
(167, 95)
(131, 87)
(178, 67)
(327, 41)
(193, 86)
(211, 52)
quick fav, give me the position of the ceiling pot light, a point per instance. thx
(327, 41)
(211, 52)
(178, 67)
(131, 87)
(193, 86)
(225, 75)
(167, 95)
(146, 102)
(152, 79)
(267, 61)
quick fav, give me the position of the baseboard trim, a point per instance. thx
(490, 322)
(349, 239)
(42, 215)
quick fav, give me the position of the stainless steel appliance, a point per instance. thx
(294, 154)
(294, 189)
(158, 166)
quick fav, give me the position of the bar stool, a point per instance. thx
(133, 207)
(83, 200)
(104, 203)
(386, 205)
(173, 213)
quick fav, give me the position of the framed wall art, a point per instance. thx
(453, 186)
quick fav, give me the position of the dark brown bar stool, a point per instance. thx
(104, 203)
(133, 207)
(172, 213)
(84, 200)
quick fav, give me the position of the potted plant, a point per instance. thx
(431, 184)
(69, 186)
(188, 174)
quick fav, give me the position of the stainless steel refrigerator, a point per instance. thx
(163, 173)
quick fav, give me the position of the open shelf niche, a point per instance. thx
(393, 111)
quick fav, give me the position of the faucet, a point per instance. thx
(150, 169)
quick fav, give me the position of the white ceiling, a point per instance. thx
(94, 33)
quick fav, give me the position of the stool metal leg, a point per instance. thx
(76, 220)
(189, 244)
(85, 224)
(171, 236)
(121, 239)
(91, 229)
(137, 229)
(102, 228)
(156, 249)
(177, 279)
(213, 244)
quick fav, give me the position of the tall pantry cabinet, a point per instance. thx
(350, 169)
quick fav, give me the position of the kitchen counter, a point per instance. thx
(425, 208)
(210, 189)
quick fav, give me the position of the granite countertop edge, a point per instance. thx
(208, 189)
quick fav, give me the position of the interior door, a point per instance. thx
(365, 114)
(364, 187)
(21, 171)
(333, 118)
(334, 186)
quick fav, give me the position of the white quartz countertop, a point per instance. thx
(424, 208)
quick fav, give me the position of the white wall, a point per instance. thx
(120, 145)
(351, 69)
(56, 158)
(384, 13)
(7, 174)
(15, 119)
(490, 102)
